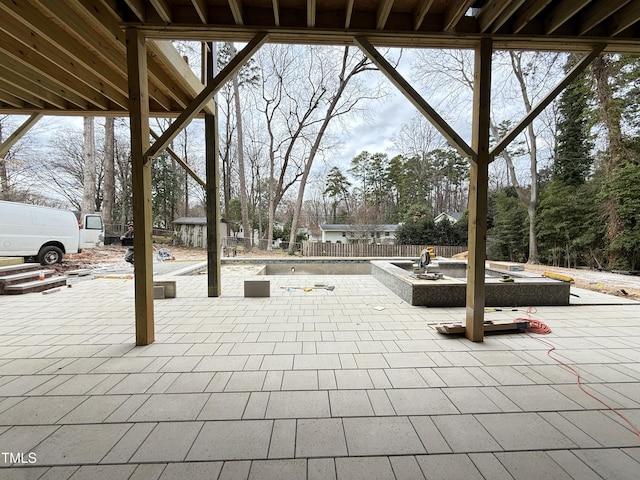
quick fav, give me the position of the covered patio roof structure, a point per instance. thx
(113, 57)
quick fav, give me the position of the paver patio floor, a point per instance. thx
(346, 384)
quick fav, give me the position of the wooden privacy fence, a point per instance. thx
(318, 249)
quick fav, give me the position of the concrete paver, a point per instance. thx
(338, 385)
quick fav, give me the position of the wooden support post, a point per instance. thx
(214, 286)
(478, 189)
(141, 184)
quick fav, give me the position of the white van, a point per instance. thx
(46, 233)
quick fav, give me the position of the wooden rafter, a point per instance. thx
(202, 9)
(454, 13)
(528, 11)
(542, 104)
(206, 94)
(382, 13)
(624, 18)
(562, 13)
(496, 12)
(414, 97)
(348, 11)
(236, 11)
(163, 9)
(311, 13)
(421, 10)
(598, 13)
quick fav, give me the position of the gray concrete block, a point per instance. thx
(257, 288)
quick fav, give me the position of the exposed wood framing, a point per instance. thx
(183, 164)
(496, 12)
(214, 283)
(311, 13)
(562, 14)
(478, 193)
(577, 69)
(420, 12)
(195, 107)
(236, 11)
(414, 97)
(455, 12)
(382, 14)
(18, 133)
(141, 186)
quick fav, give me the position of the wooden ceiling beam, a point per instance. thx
(236, 11)
(415, 98)
(137, 7)
(18, 133)
(184, 76)
(8, 99)
(163, 9)
(198, 103)
(202, 10)
(563, 13)
(420, 12)
(22, 94)
(495, 13)
(624, 18)
(382, 13)
(165, 94)
(311, 13)
(597, 13)
(454, 13)
(51, 58)
(348, 12)
(50, 88)
(276, 12)
(577, 69)
(25, 83)
(529, 11)
(58, 46)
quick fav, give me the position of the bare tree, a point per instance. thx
(519, 81)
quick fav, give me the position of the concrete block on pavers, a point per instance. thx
(169, 288)
(257, 288)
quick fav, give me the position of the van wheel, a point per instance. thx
(50, 255)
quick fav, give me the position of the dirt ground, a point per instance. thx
(627, 286)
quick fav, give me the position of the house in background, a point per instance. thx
(453, 217)
(341, 233)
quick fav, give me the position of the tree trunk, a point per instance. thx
(109, 172)
(89, 168)
(603, 72)
(246, 226)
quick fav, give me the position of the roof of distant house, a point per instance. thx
(350, 228)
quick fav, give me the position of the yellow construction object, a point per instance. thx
(558, 276)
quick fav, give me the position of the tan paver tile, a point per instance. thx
(406, 468)
(304, 404)
(235, 470)
(300, 380)
(321, 469)
(369, 436)
(350, 403)
(129, 443)
(232, 440)
(278, 470)
(372, 468)
(170, 407)
(102, 472)
(283, 439)
(445, 467)
(79, 444)
(322, 437)
(431, 437)
(463, 433)
(40, 410)
(168, 442)
(191, 471)
(245, 381)
(420, 401)
(222, 406)
(489, 466)
(507, 429)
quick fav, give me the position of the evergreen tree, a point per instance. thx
(573, 151)
(509, 234)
